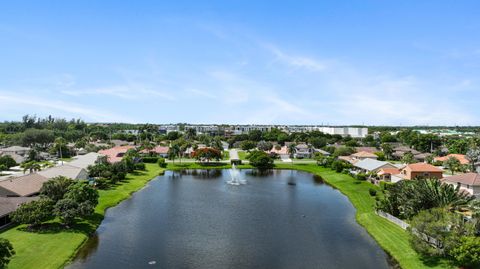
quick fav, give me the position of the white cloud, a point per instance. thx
(296, 61)
(122, 91)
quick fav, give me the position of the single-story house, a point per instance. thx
(16, 150)
(65, 170)
(161, 151)
(9, 205)
(83, 161)
(115, 154)
(469, 182)
(367, 149)
(280, 151)
(385, 174)
(460, 157)
(417, 170)
(372, 165)
(321, 151)
(20, 186)
(362, 155)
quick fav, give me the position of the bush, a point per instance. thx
(337, 166)
(140, 166)
(372, 192)
(361, 176)
(162, 163)
(101, 183)
(467, 253)
(150, 159)
(260, 159)
(6, 252)
(34, 212)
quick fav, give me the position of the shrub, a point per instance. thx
(34, 212)
(162, 163)
(260, 159)
(372, 192)
(467, 253)
(6, 252)
(361, 176)
(101, 183)
(337, 166)
(140, 166)
(150, 159)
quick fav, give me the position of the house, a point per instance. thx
(321, 151)
(280, 151)
(16, 150)
(419, 170)
(22, 186)
(9, 205)
(65, 170)
(400, 151)
(302, 151)
(367, 149)
(460, 157)
(385, 174)
(83, 161)
(469, 182)
(371, 165)
(115, 154)
(362, 155)
(18, 153)
(161, 151)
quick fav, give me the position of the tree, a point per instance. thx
(173, 152)
(408, 158)
(473, 155)
(453, 164)
(255, 135)
(387, 150)
(318, 142)
(31, 166)
(264, 146)
(56, 188)
(207, 154)
(291, 149)
(260, 160)
(248, 145)
(467, 252)
(37, 137)
(408, 197)
(8, 161)
(6, 252)
(34, 212)
(79, 201)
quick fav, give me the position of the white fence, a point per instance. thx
(393, 219)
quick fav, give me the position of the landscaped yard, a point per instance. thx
(55, 247)
(242, 154)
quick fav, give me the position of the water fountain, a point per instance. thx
(235, 177)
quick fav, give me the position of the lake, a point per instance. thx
(194, 219)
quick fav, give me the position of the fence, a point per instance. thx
(393, 219)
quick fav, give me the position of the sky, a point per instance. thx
(242, 62)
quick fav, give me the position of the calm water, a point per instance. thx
(193, 219)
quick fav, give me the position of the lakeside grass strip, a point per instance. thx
(55, 247)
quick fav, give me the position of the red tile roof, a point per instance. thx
(422, 167)
(472, 179)
(157, 150)
(462, 158)
(388, 171)
(115, 154)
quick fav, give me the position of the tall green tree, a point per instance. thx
(6, 252)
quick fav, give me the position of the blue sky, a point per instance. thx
(263, 62)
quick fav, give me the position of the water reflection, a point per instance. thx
(318, 180)
(90, 247)
(198, 173)
(260, 172)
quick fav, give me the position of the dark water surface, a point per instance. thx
(193, 219)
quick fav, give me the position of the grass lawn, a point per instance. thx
(226, 155)
(242, 154)
(389, 236)
(54, 247)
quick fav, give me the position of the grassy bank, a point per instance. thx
(389, 236)
(54, 247)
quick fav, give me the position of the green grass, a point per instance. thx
(389, 236)
(242, 154)
(226, 155)
(54, 246)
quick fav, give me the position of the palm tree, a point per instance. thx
(59, 143)
(473, 155)
(31, 166)
(291, 150)
(173, 152)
